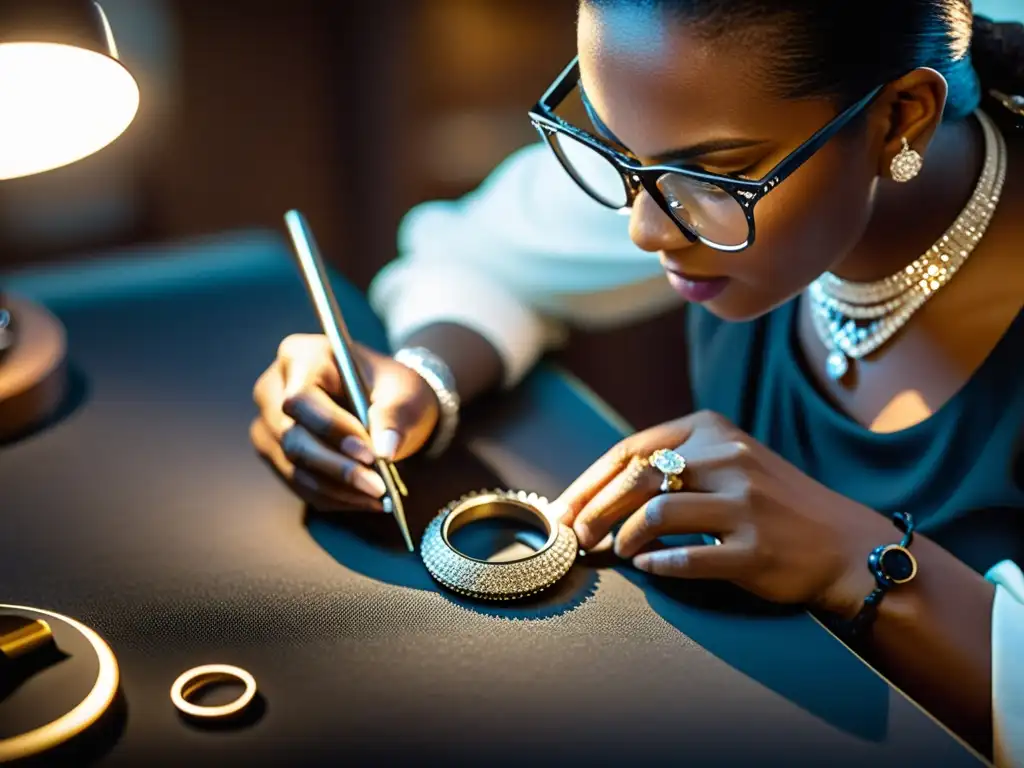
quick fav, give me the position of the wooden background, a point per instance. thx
(350, 111)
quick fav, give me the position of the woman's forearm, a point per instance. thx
(475, 364)
(933, 640)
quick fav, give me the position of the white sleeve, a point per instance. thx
(1008, 665)
(517, 260)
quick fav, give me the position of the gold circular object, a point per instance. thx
(509, 580)
(85, 714)
(199, 677)
(906, 553)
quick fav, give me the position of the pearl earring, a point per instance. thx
(907, 164)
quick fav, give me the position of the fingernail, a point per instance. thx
(369, 482)
(582, 533)
(559, 510)
(385, 443)
(642, 562)
(357, 449)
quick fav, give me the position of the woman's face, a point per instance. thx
(661, 91)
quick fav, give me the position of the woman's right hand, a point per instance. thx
(320, 450)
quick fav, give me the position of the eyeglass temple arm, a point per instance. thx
(803, 153)
(561, 88)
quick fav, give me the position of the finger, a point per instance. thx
(304, 450)
(641, 445)
(620, 497)
(315, 410)
(696, 431)
(707, 469)
(324, 496)
(308, 363)
(674, 514)
(395, 411)
(579, 493)
(718, 467)
(321, 492)
(728, 562)
(267, 394)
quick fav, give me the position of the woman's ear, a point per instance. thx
(911, 108)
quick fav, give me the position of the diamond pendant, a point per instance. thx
(837, 365)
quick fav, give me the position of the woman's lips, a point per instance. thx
(696, 289)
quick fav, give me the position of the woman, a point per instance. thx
(845, 228)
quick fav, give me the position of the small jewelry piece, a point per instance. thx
(891, 565)
(507, 580)
(907, 164)
(1013, 103)
(854, 319)
(200, 677)
(671, 465)
(439, 378)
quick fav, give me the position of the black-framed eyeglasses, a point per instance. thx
(717, 210)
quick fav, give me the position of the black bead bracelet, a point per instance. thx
(891, 565)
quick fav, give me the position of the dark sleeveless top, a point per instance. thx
(960, 472)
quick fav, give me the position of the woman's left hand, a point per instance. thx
(784, 536)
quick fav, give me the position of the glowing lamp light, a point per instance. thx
(58, 104)
(64, 95)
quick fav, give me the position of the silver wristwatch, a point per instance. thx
(439, 377)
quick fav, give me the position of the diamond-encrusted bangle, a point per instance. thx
(505, 580)
(435, 371)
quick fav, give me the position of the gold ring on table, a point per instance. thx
(671, 465)
(506, 580)
(194, 679)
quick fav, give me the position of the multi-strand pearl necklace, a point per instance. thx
(854, 319)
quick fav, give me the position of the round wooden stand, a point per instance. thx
(33, 377)
(55, 695)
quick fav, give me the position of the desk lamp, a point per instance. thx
(63, 96)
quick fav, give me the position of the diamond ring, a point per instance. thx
(671, 465)
(506, 580)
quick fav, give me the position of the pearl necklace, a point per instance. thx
(854, 319)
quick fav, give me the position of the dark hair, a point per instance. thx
(844, 48)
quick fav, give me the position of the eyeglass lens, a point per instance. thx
(707, 210)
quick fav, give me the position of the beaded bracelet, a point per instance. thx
(890, 564)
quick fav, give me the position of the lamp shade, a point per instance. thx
(63, 93)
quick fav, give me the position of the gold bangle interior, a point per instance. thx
(207, 679)
(192, 681)
(490, 507)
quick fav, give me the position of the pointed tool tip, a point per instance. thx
(408, 539)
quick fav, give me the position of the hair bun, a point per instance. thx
(997, 51)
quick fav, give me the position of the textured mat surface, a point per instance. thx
(145, 513)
